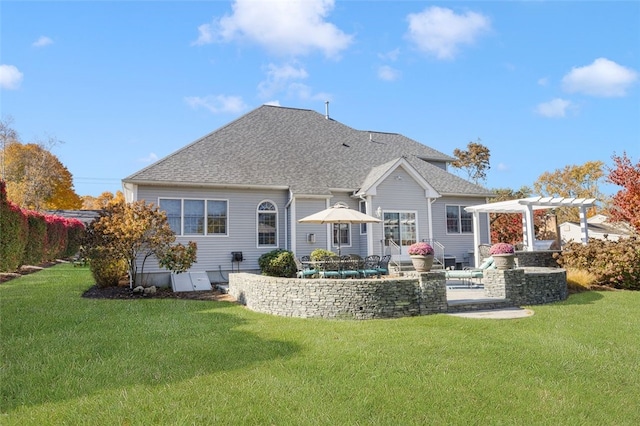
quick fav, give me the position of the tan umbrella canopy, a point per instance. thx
(339, 213)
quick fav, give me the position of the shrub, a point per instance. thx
(107, 269)
(615, 264)
(319, 254)
(56, 237)
(278, 263)
(13, 233)
(37, 240)
(75, 233)
(579, 280)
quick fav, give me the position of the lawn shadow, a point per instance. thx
(584, 298)
(171, 342)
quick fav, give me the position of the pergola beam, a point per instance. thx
(526, 206)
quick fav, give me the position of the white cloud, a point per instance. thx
(279, 77)
(151, 158)
(10, 77)
(205, 36)
(554, 108)
(273, 103)
(42, 42)
(388, 73)
(503, 167)
(544, 81)
(283, 27)
(392, 55)
(602, 78)
(217, 103)
(440, 31)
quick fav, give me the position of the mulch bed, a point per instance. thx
(123, 291)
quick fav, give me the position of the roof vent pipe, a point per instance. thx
(326, 110)
(370, 137)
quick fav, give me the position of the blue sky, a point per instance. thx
(543, 84)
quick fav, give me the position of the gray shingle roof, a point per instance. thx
(298, 149)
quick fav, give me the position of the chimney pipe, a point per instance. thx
(326, 109)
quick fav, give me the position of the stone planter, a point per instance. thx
(504, 261)
(422, 263)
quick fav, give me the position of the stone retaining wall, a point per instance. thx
(527, 286)
(416, 294)
(538, 258)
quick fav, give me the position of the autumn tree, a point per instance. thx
(625, 205)
(102, 201)
(507, 227)
(135, 232)
(574, 181)
(475, 161)
(35, 178)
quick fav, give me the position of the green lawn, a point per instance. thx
(70, 360)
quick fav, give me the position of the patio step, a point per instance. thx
(472, 305)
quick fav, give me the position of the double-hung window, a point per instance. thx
(196, 217)
(458, 220)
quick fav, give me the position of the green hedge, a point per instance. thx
(13, 233)
(30, 238)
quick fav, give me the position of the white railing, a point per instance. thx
(393, 246)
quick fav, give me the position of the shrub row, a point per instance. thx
(31, 238)
(614, 264)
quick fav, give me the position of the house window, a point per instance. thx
(267, 224)
(400, 227)
(459, 221)
(363, 209)
(187, 217)
(341, 234)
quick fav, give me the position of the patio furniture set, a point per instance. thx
(347, 266)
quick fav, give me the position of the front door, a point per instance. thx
(399, 228)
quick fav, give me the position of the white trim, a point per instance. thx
(277, 243)
(205, 227)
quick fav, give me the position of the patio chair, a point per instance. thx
(383, 266)
(349, 267)
(370, 266)
(330, 267)
(302, 270)
(483, 250)
(468, 274)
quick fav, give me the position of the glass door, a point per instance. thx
(399, 228)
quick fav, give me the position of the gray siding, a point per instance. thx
(214, 252)
(399, 192)
(457, 245)
(305, 207)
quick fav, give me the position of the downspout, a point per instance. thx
(291, 223)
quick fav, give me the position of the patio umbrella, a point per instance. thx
(339, 213)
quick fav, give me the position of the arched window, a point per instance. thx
(267, 224)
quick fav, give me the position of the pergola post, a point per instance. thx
(527, 231)
(584, 226)
(476, 239)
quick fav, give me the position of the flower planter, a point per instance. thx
(422, 263)
(504, 261)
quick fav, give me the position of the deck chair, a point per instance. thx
(383, 266)
(330, 267)
(349, 266)
(370, 266)
(468, 274)
(302, 270)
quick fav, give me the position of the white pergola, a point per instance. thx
(526, 206)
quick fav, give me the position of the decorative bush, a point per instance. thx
(56, 237)
(319, 254)
(615, 264)
(420, 249)
(278, 263)
(107, 269)
(502, 248)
